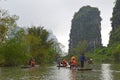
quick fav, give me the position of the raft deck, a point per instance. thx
(84, 69)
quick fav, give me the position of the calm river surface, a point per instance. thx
(99, 72)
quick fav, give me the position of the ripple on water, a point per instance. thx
(106, 72)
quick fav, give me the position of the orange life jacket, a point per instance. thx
(73, 62)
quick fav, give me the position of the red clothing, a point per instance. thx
(64, 62)
(32, 63)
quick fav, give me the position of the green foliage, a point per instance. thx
(17, 45)
(15, 50)
(115, 33)
(100, 55)
(106, 54)
(2, 58)
(116, 16)
(7, 23)
(80, 48)
(114, 43)
(40, 47)
(20, 47)
(115, 37)
(116, 53)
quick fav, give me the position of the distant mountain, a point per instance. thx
(86, 26)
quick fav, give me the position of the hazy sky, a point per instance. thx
(56, 15)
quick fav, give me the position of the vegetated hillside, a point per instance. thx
(85, 28)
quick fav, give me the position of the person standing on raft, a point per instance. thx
(82, 60)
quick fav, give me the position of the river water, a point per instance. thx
(99, 72)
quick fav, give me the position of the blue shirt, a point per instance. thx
(82, 58)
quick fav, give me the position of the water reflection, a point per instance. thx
(99, 72)
(73, 74)
(60, 74)
(31, 73)
(106, 72)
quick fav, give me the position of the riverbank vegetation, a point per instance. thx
(112, 52)
(18, 45)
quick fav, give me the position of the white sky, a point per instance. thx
(56, 15)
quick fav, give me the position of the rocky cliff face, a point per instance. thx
(115, 19)
(86, 26)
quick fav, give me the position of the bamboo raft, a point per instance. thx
(28, 66)
(79, 69)
(84, 69)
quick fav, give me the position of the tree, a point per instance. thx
(15, 49)
(7, 23)
(41, 48)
